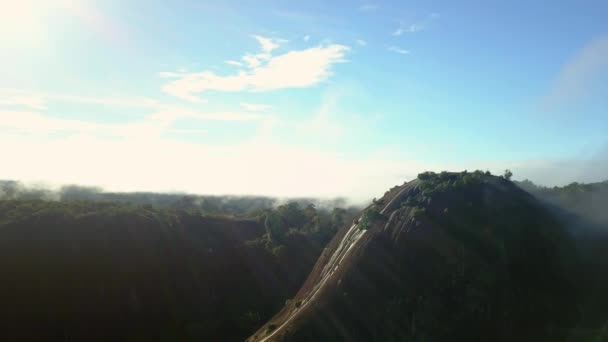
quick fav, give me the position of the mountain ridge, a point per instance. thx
(426, 219)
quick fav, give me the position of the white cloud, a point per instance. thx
(306, 38)
(398, 50)
(577, 77)
(235, 63)
(368, 7)
(255, 107)
(361, 42)
(293, 69)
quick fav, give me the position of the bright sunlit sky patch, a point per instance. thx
(286, 98)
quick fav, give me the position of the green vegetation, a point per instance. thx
(466, 255)
(236, 206)
(582, 208)
(440, 182)
(468, 209)
(585, 200)
(289, 224)
(370, 215)
(433, 185)
(467, 248)
(126, 271)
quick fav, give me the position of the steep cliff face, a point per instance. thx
(446, 256)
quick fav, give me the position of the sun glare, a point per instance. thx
(23, 20)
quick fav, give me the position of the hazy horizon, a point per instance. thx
(315, 99)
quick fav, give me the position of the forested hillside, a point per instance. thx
(451, 256)
(587, 201)
(583, 208)
(108, 271)
(83, 264)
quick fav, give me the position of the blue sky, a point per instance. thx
(340, 98)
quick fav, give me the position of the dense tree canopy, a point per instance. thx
(100, 270)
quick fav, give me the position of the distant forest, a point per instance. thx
(228, 205)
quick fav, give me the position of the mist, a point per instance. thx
(582, 206)
(237, 205)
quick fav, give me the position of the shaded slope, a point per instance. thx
(582, 208)
(116, 272)
(448, 256)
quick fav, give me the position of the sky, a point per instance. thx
(307, 98)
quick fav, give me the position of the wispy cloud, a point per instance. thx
(177, 113)
(235, 63)
(255, 107)
(31, 101)
(368, 7)
(577, 77)
(160, 122)
(186, 131)
(31, 117)
(323, 124)
(398, 50)
(306, 38)
(170, 74)
(141, 102)
(38, 100)
(36, 123)
(268, 44)
(422, 24)
(292, 69)
(361, 42)
(408, 29)
(254, 61)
